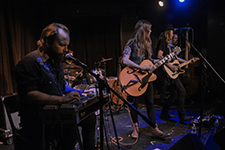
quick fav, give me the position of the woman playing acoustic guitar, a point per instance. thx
(138, 49)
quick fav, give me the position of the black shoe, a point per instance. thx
(186, 118)
(166, 116)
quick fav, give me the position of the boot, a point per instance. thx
(185, 118)
(158, 133)
(166, 116)
(135, 133)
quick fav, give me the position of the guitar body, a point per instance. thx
(135, 82)
(173, 74)
(134, 78)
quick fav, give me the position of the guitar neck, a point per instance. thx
(162, 61)
(185, 63)
(176, 51)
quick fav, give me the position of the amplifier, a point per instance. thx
(73, 112)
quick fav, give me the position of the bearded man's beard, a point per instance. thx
(56, 56)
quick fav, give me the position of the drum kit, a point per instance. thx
(101, 72)
(90, 84)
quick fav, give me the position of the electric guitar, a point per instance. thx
(174, 74)
(135, 81)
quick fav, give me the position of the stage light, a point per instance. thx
(181, 1)
(161, 3)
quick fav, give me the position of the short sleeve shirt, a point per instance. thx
(32, 74)
(134, 54)
(162, 45)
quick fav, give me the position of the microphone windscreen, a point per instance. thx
(68, 56)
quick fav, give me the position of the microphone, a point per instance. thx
(75, 60)
(185, 28)
(176, 29)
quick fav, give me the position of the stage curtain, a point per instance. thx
(93, 37)
(15, 43)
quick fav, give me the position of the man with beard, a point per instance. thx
(40, 81)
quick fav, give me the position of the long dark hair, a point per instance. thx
(141, 38)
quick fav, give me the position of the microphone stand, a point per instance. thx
(205, 63)
(103, 84)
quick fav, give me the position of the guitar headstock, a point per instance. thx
(177, 50)
(193, 60)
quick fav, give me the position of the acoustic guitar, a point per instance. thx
(174, 74)
(135, 81)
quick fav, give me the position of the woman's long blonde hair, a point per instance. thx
(141, 37)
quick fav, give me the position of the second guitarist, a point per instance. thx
(177, 89)
(137, 49)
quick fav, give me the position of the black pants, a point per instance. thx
(177, 91)
(148, 98)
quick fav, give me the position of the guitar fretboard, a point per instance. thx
(177, 50)
(163, 61)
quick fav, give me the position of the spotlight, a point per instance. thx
(161, 3)
(181, 1)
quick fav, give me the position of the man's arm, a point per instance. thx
(37, 97)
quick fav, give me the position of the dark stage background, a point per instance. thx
(99, 29)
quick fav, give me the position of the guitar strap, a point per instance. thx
(170, 81)
(144, 81)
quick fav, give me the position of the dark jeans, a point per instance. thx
(177, 91)
(148, 98)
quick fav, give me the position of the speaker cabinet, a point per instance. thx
(220, 135)
(189, 142)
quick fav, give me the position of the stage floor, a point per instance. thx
(145, 142)
(124, 128)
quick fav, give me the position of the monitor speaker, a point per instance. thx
(189, 142)
(220, 135)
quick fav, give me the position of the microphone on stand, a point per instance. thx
(176, 29)
(185, 28)
(75, 60)
(179, 30)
